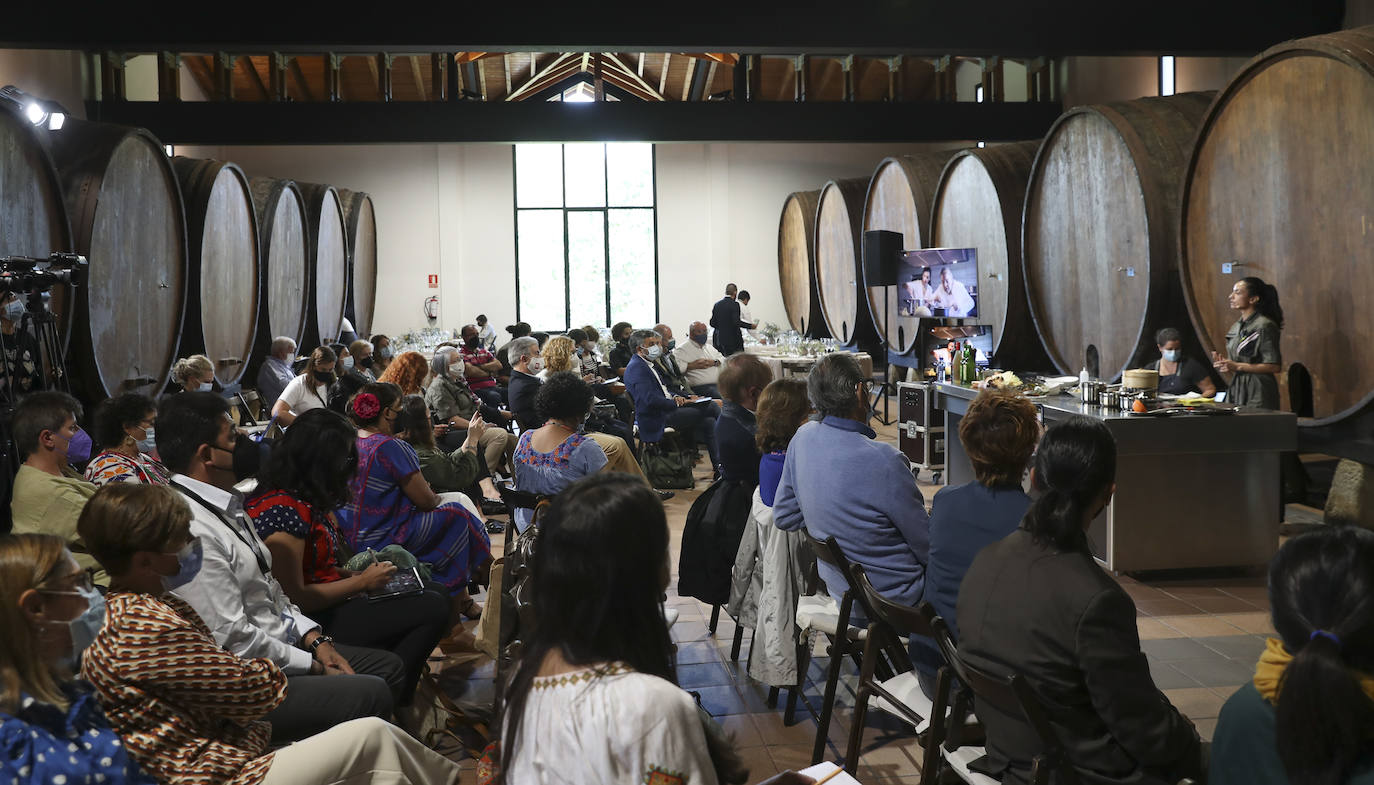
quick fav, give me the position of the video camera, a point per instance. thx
(30, 274)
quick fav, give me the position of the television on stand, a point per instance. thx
(938, 283)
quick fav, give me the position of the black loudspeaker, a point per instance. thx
(882, 257)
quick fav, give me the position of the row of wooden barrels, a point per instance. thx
(1133, 216)
(185, 255)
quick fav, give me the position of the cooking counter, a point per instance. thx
(1191, 491)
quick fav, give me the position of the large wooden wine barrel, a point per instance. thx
(223, 275)
(978, 204)
(127, 220)
(1282, 181)
(796, 264)
(360, 227)
(324, 224)
(33, 219)
(1099, 238)
(839, 260)
(285, 247)
(899, 199)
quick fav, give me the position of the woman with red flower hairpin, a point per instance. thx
(393, 504)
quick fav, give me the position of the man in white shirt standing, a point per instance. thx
(239, 600)
(700, 361)
(744, 315)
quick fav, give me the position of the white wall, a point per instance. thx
(448, 210)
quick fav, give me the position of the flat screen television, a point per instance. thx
(938, 283)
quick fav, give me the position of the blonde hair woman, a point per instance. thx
(195, 373)
(558, 356)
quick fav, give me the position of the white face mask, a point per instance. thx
(536, 364)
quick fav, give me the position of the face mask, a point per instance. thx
(85, 627)
(455, 371)
(578, 350)
(188, 565)
(147, 444)
(348, 364)
(14, 310)
(324, 377)
(670, 345)
(1171, 355)
(247, 458)
(536, 364)
(700, 339)
(589, 346)
(471, 343)
(385, 352)
(655, 352)
(205, 387)
(366, 362)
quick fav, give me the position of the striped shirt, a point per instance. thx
(189, 712)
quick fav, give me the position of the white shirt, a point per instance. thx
(689, 351)
(300, 398)
(956, 301)
(611, 726)
(244, 607)
(487, 335)
(745, 316)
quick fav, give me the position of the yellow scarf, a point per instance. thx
(1274, 661)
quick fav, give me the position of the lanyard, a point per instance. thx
(237, 530)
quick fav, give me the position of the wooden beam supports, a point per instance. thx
(276, 75)
(896, 80)
(332, 83)
(112, 83)
(381, 69)
(168, 76)
(994, 76)
(663, 74)
(946, 88)
(847, 66)
(223, 79)
(801, 65)
(254, 76)
(1040, 82)
(301, 84)
(418, 76)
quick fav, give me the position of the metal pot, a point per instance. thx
(1088, 392)
(1109, 399)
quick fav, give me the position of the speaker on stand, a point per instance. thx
(882, 261)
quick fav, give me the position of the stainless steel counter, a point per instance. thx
(1191, 491)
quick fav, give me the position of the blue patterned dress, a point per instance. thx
(451, 539)
(550, 472)
(44, 745)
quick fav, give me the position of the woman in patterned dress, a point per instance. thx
(554, 455)
(125, 435)
(391, 503)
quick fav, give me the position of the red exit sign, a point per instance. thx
(434, 281)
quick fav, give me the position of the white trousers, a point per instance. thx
(455, 497)
(368, 750)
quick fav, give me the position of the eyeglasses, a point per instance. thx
(82, 582)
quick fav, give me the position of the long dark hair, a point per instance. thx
(597, 576)
(314, 461)
(1324, 581)
(1074, 464)
(414, 421)
(1268, 295)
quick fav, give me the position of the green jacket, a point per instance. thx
(446, 472)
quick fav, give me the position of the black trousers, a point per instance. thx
(408, 627)
(315, 704)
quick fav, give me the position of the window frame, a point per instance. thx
(605, 211)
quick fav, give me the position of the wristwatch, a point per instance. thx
(318, 642)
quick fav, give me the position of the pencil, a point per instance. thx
(829, 776)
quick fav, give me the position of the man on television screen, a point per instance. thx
(953, 296)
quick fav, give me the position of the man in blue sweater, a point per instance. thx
(838, 481)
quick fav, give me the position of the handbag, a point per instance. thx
(668, 467)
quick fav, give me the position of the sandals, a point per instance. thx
(468, 610)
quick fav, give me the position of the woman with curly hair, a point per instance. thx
(391, 503)
(124, 434)
(558, 354)
(407, 371)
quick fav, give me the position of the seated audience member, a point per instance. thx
(463, 470)
(125, 436)
(526, 363)
(240, 601)
(52, 728)
(194, 374)
(839, 481)
(486, 334)
(541, 337)
(308, 391)
(667, 364)
(345, 363)
(453, 403)
(700, 362)
(657, 408)
(620, 353)
(408, 372)
(999, 433)
(552, 456)
(276, 371)
(48, 495)
(594, 373)
(391, 504)
(481, 368)
(18, 350)
(188, 710)
(591, 345)
(381, 353)
(741, 383)
(594, 697)
(1306, 716)
(517, 330)
(783, 408)
(588, 367)
(560, 356)
(358, 372)
(1178, 374)
(304, 481)
(1036, 602)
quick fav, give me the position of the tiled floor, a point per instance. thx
(1201, 637)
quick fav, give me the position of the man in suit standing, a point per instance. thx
(725, 318)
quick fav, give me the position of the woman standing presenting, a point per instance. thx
(1252, 345)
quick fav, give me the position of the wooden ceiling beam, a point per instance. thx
(663, 74)
(505, 69)
(416, 74)
(255, 77)
(636, 78)
(296, 73)
(547, 77)
(535, 75)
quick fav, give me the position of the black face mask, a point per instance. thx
(471, 343)
(366, 362)
(248, 457)
(324, 377)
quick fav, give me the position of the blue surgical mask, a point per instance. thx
(148, 444)
(1172, 355)
(655, 352)
(188, 562)
(85, 627)
(14, 310)
(579, 351)
(700, 338)
(348, 363)
(385, 352)
(204, 387)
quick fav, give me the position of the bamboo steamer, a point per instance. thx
(796, 264)
(839, 277)
(1282, 181)
(224, 272)
(899, 199)
(978, 204)
(1100, 230)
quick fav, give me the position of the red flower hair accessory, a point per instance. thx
(366, 405)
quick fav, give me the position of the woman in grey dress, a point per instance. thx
(1252, 345)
